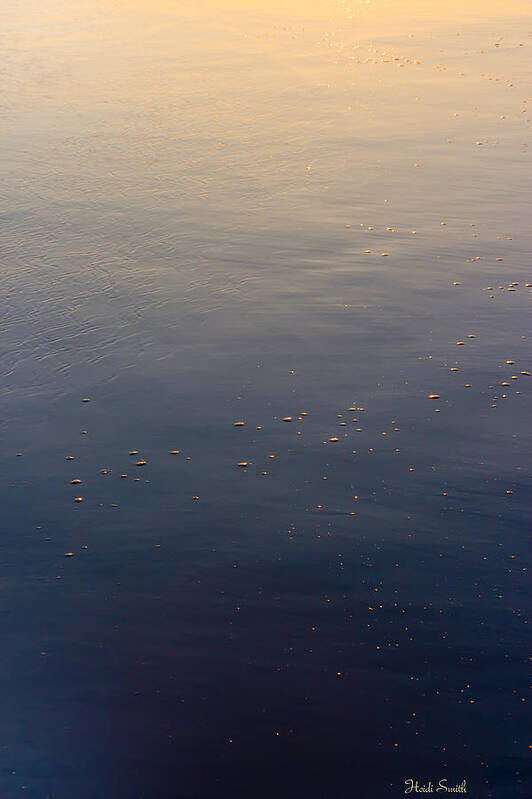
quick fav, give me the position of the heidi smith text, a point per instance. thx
(413, 786)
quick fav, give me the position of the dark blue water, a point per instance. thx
(196, 199)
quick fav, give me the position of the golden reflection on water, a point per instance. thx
(30, 26)
(401, 13)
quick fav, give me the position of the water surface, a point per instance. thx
(219, 212)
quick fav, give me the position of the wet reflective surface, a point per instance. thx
(246, 212)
